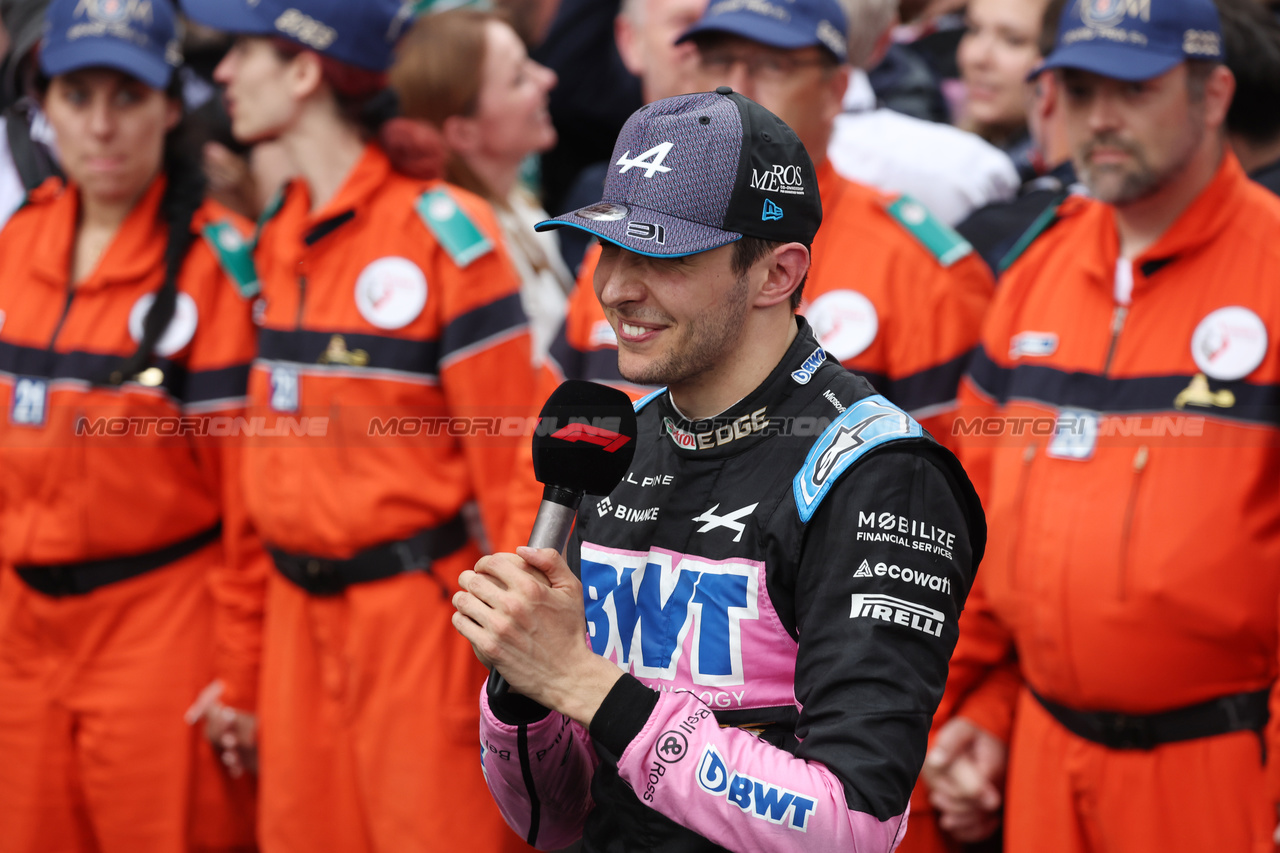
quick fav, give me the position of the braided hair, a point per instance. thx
(183, 196)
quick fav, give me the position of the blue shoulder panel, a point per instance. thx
(649, 398)
(867, 424)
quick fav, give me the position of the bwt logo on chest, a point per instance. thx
(670, 617)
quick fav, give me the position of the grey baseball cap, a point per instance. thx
(696, 172)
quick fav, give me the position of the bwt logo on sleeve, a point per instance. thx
(755, 797)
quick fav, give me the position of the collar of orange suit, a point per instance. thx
(1201, 223)
(135, 251)
(366, 179)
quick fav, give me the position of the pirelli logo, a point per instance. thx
(886, 608)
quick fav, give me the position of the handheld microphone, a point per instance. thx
(584, 443)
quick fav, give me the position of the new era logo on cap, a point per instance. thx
(697, 172)
(1135, 39)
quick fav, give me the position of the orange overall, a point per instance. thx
(388, 357)
(94, 752)
(1128, 458)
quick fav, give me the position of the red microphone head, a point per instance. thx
(586, 438)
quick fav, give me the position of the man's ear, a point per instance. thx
(786, 267)
(1219, 90)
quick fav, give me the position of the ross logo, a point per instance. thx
(604, 507)
(651, 160)
(1033, 344)
(391, 292)
(606, 439)
(1229, 344)
(647, 231)
(845, 322)
(29, 397)
(672, 746)
(669, 616)
(804, 375)
(788, 180)
(182, 328)
(886, 608)
(306, 29)
(772, 212)
(604, 212)
(848, 439)
(754, 796)
(713, 521)
(1104, 14)
(741, 428)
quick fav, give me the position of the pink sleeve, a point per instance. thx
(740, 792)
(539, 775)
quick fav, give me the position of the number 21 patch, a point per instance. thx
(30, 396)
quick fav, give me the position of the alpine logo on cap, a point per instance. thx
(650, 161)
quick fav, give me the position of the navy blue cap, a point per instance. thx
(137, 37)
(361, 33)
(696, 172)
(788, 24)
(1135, 39)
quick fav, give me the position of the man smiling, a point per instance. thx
(764, 658)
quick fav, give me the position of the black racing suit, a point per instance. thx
(782, 583)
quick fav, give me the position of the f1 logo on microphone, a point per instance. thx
(609, 440)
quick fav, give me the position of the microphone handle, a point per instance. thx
(551, 529)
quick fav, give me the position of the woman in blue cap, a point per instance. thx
(393, 313)
(125, 335)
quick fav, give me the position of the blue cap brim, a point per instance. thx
(751, 26)
(65, 57)
(680, 236)
(229, 16)
(1119, 62)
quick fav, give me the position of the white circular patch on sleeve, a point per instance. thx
(845, 323)
(182, 328)
(391, 292)
(1230, 343)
